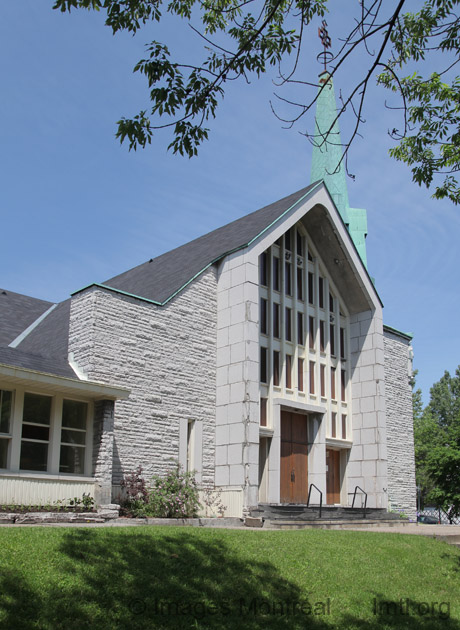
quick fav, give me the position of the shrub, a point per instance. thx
(213, 503)
(136, 493)
(173, 496)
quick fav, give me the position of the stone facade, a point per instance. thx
(103, 442)
(400, 428)
(237, 412)
(166, 356)
(367, 465)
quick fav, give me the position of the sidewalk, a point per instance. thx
(448, 533)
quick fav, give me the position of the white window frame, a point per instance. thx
(54, 444)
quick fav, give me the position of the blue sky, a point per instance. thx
(79, 208)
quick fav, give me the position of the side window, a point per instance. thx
(6, 398)
(73, 437)
(35, 432)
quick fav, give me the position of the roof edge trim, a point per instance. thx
(406, 335)
(10, 371)
(315, 186)
(236, 249)
(15, 343)
(113, 290)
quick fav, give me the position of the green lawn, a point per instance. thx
(160, 577)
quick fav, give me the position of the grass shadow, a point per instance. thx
(136, 579)
(168, 579)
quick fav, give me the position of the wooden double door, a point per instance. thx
(294, 458)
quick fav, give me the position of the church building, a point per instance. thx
(255, 355)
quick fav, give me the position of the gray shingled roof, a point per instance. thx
(49, 365)
(18, 312)
(161, 277)
(51, 337)
(45, 348)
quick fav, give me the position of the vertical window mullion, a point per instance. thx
(16, 429)
(55, 435)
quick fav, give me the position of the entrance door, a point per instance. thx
(332, 476)
(294, 458)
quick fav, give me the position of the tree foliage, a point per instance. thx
(437, 445)
(246, 38)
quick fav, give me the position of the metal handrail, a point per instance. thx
(365, 500)
(312, 485)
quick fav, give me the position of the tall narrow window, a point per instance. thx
(312, 377)
(73, 437)
(263, 316)
(300, 375)
(35, 432)
(322, 380)
(343, 380)
(288, 278)
(6, 398)
(311, 289)
(263, 269)
(288, 323)
(333, 425)
(190, 464)
(342, 343)
(276, 273)
(344, 427)
(276, 368)
(276, 320)
(263, 365)
(311, 332)
(321, 291)
(332, 339)
(300, 283)
(333, 382)
(322, 336)
(287, 241)
(288, 371)
(299, 244)
(300, 337)
(331, 303)
(263, 412)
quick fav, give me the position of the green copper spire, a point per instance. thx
(327, 164)
(328, 154)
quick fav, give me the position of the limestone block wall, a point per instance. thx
(166, 356)
(367, 466)
(400, 426)
(103, 441)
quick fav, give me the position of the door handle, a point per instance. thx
(292, 475)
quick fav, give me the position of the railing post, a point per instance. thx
(312, 485)
(365, 499)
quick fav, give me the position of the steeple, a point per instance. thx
(327, 163)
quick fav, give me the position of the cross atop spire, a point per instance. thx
(326, 55)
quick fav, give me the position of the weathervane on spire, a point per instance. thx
(326, 55)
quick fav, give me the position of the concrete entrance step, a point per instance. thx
(300, 512)
(333, 523)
